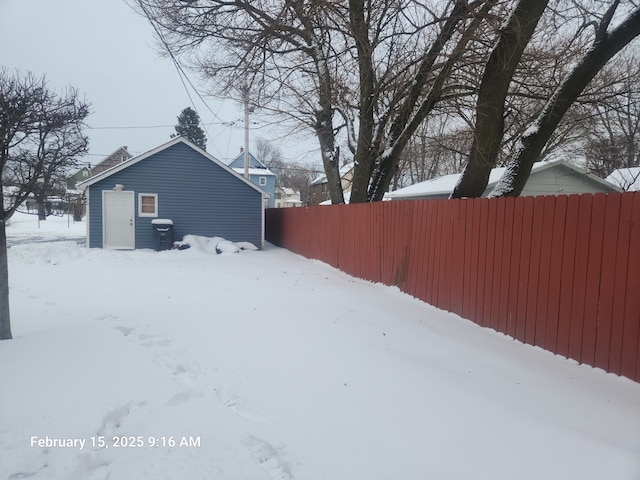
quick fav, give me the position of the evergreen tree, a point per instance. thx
(189, 127)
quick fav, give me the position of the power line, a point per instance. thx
(120, 127)
(181, 73)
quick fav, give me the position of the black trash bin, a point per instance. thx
(164, 233)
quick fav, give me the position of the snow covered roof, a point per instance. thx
(444, 185)
(628, 179)
(347, 198)
(344, 169)
(265, 172)
(288, 191)
(254, 162)
(117, 168)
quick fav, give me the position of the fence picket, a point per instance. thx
(607, 279)
(567, 275)
(556, 257)
(620, 283)
(499, 259)
(592, 287)
(470, 258)
(524, 270)
(630, 363)
(508, 266)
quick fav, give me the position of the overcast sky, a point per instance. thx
(107, 51)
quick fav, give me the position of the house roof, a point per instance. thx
(112, 159)
(256, 167)
(445, 184)
(628, 179)
(256, 171)
(344, 169)
(117, 168)
(288, 190)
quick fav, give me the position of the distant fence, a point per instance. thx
(559, 272)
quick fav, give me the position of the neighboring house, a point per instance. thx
(175, 181)
(319, 188)
(80, 176)
(259, 174)
(287, 198)
(121, 155)
(547, 178)
(626, 179)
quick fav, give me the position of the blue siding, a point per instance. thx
(238, 162)
(270, 187)
(200, 197)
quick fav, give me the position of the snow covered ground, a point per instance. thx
(265, 365)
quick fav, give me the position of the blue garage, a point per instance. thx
(176, 181)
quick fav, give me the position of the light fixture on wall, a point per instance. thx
(119, 187)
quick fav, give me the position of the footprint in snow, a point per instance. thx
(113, 420)
(183, 397)
(270, 459)
(126, 331)
(229, 398)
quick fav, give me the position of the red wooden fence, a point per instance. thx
(559, 272)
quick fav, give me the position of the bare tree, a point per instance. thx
(365, 72)
(288, 174)
(435, 149)
(499, 70)
(614, 137)
(40, 136)
(283, 52)
(413, 88)
(365, 75)
(606, 43)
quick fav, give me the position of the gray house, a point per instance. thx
(547, 178)
(176, 181)
(259, 174)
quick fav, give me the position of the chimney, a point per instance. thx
(241, 149)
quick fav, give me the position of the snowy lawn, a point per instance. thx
(265, 365)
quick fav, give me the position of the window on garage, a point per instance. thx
(148, 205)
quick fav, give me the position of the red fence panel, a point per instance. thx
(458, 249)
(523, 272)
(620, 283)
(567, 275)
(592, 287)
(607, 280)
(555, 270)
(559, 272)
(630, 362)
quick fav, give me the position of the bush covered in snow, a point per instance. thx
(213, 244)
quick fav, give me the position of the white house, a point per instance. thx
(287, 197)
(547, 178)
(319, 188)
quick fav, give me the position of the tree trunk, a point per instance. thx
(330, 156)
(605, 46)
(492, 94)
(416, 106)
(363, 157)
(42, 210)
(5, 320)
(324, 128)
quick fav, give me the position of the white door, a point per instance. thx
(117, 219)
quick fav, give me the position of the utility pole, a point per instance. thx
(246, 132)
